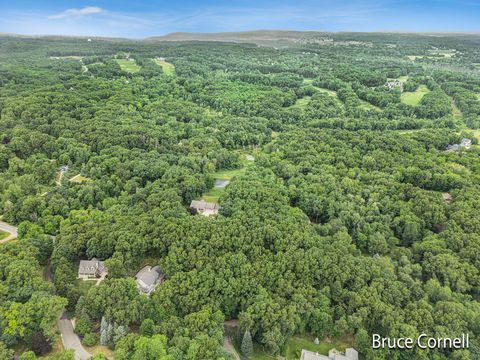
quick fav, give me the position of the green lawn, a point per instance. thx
(3, 234)
(214, 193)
(168, 68)
(403, 79)
(297, 343)
(414, 98)
(128, 66)
(78, 179)
(85, 285)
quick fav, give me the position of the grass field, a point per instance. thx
(128, 66)
(414, 98)
(3, 234)
(168, 68)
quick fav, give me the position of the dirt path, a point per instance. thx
(229, 331)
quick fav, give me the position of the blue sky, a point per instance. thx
(138, 19)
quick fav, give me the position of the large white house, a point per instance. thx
(350, 354)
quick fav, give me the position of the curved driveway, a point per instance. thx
(12, 230)
(70, 340)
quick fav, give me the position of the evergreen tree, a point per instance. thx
(104, 335)
(247, 345)
(119, 332)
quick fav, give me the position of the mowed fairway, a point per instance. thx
(414, 98)
(168, 69)
(128, 66)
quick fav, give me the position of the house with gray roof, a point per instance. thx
(149, 278)
(90, 269)
(394, 84)
(204, 207)
(464, 144)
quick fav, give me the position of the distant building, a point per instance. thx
(350, 354)
(89, 40)
(93, 268)
(64, 168)
(394, 84)
(464, 144)
(148, 279)
(205, 208)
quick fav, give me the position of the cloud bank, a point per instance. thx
(76, 13)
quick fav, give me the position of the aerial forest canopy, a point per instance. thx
(345, 214)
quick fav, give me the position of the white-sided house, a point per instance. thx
(350, 354)
(90, 269)
(149, 278)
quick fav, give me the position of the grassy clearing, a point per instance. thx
(414, 98)
(327, 91)
(455, 110)
(302, 103)
(403, 79)
(168, 68)
(3, 234)
(297, 343)
(71, 57)
(214, 193)
(78, 179)
(367, 106)
(129, 66)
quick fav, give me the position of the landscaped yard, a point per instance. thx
(214, 193)
(414, 98)
(168, 68)
(297, 343)
(128, 65)
(85, 285)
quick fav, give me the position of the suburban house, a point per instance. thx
(350, 354)
(464, 144)
(90, 269)
(148, 278)
(394, 84)
(205, 208)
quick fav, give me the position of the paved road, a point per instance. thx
(12, 230)
(70, 340)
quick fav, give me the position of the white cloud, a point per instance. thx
(75, 13)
